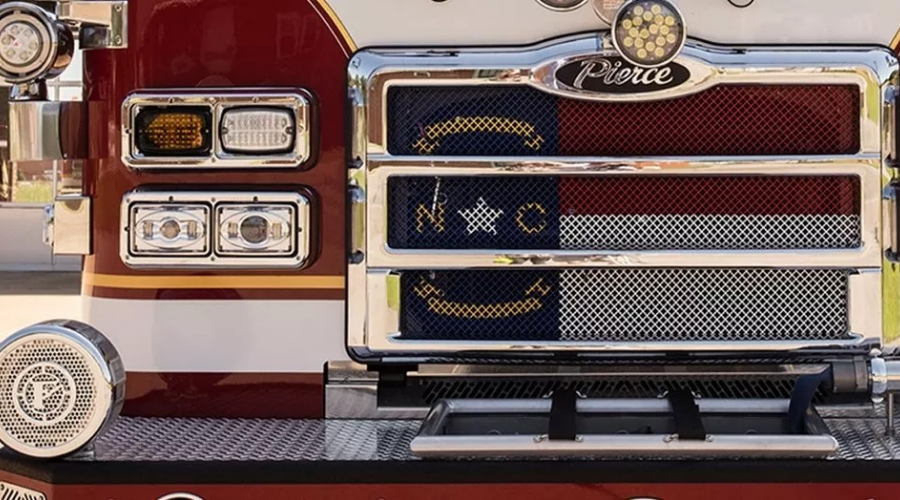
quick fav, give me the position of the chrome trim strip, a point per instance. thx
(374, 71)
(381, 255)
(218, 101)
(299, 202)
(382, 330)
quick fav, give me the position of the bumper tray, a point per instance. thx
(677, 426)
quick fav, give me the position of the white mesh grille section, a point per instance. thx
(671, 305)
(67, 399)
(709, 232)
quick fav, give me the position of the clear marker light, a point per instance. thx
(257, 130)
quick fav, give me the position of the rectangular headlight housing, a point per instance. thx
(216, 128)
(168, 229)
(256, 229)
(215, 229)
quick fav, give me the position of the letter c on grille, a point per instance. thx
(61, 384)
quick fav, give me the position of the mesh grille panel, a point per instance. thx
(626, 305)
(718, 386)
(624, 213)
(733, 120)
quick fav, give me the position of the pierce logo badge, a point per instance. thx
(615, 75)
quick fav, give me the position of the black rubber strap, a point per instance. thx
(686, 413)
(562, 415)
(802, 397)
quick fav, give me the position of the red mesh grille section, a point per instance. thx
(734, 120)
(787, 195)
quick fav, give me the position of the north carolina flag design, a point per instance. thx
(624, 212)
(624, 305)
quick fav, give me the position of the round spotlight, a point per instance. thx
(61, 384)
(33, 45)
(649, 33)
(562, 5)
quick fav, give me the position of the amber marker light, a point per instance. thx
(175, 131)
(649, 33)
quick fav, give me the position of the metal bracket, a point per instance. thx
(102, 24)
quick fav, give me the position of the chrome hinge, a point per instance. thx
(100, 24)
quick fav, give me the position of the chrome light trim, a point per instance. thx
(298, 102)
(158, 245)
(299, 202)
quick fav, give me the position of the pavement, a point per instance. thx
(29, 297)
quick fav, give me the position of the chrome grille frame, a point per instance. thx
(373, 301)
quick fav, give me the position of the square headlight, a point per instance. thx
(193, 229)
(167, 230)
(256, 230)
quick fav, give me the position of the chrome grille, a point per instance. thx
(626, 305)
(635, 305)
(525, 218)
(625, 212)
(733, 120)
(706, 232)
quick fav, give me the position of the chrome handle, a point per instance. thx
(357, 228)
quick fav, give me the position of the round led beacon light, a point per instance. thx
(61, 384)
(649, 33)
(33, 45)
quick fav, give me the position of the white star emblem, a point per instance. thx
(481, 218)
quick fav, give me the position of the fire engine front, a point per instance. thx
(364, 238)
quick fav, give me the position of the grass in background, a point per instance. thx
(34, 192)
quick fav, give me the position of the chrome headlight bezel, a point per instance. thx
(297, 103)
(223, 204)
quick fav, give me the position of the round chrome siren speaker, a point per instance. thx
(33, 44)
(62, 383)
